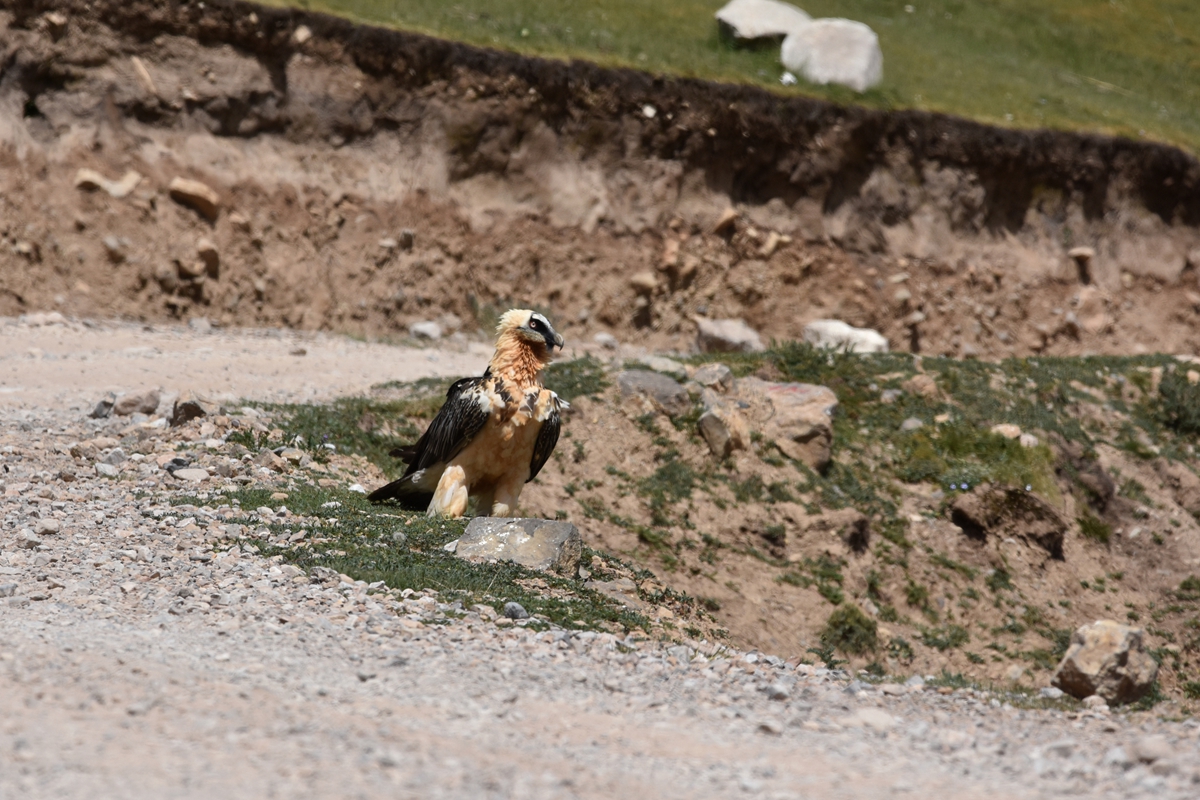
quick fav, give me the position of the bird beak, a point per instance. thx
(558, 340)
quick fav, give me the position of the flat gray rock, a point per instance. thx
(541, 544)
(664, 391)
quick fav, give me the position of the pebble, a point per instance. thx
(514, 610)
(47, 526)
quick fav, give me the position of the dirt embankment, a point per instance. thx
(552, 184)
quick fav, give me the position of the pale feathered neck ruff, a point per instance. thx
(517, 358)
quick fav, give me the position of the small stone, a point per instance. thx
(302, 34)
(115, 248)
(837, 335)
(1094, 701)
(1028, 440)
(143, 403)
(27, 541)
(191, 474)
(514, 610)
(893, 688)
(667, 366)
(1007, 430)
(207, 251)
(1117, 757)
(364, 675)
(196, 195)
(107, 470)
(911, 424)
(770, 727)
(922, 385)
(116, 457)
(778, 691)
(90, 180)
(407, 239)
(1062, 748)
(8, 589)
(1149, 749)
(47, 526)
(606, 340)
(660, 389)
(643, 282)
(724, 430)
(239, 221)
(200, 325)
(714, 376)
(727, 336)
(725, 223)
(103, 409)
(428, 330)
(1050, 693)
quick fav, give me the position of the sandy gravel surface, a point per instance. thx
(140, 657)
(74, 364)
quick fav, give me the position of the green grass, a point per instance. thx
(1119, 66)
(351, 536)
(850, 630)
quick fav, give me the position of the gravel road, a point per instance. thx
(138, 660)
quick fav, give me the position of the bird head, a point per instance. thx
(530, 327)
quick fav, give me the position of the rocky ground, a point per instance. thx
(142, 655)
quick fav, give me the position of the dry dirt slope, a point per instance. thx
(533, 182)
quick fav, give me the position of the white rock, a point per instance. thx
(667, 366)
(760, 19)
(107, 470)
(836, 334)
(425, 330)
(1007, 430)
(606, 340)
(192, 474)
(727, 336)
(835, 50)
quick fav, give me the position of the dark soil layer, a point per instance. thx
(551, 184)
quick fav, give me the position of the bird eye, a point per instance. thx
(535, 324)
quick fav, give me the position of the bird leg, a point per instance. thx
(450, 498)
(506, 498)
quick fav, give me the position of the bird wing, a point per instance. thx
(463, 415)
(547, 437)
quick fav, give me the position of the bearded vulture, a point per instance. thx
(493, 434)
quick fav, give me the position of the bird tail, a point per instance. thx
(407, 491)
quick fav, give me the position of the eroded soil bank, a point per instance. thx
(552, 184)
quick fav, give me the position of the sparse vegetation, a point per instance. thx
(850, 630)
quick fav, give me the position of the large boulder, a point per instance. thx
(664, 392)
(1108, 659)
(835, 50)
(838, 335)
(748, 20)
(799, 419)
(1009, 511)
(727, 336)
(541, 544)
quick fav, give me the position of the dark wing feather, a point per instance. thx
(544, 446)
(455, 425)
